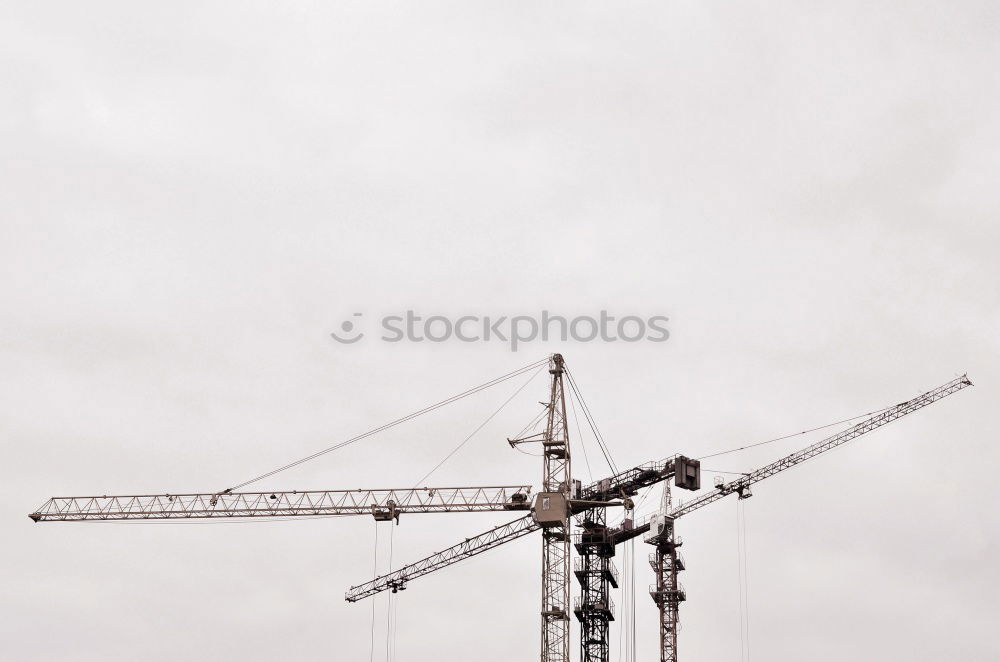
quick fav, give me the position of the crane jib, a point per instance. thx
(383, 504)
(741, 485)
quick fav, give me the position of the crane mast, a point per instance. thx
(666, 562)
(552, 511)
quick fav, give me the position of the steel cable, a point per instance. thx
(593, 424)
(398, 421)
(794, 434)
(478, 428)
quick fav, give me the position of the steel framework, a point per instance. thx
(463, 550)
(667, 592)
(596, 574)
(556, 480)
(599, 494)
(284, 504)
(741, 486)
(667, 562)
(553, 508)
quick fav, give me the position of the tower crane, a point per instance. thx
(552, 510)
(596, 542)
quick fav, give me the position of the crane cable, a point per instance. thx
(590, 421)
(392, 607)
(389, 631)
(520, 435)
(534, 422)
(626, 633)
(371, 651)
(622, 640)
(794, 434)
(583, 446)
(575, 389)
(642, 499)
(395, 626)
(530, 426)
(479, 427)
(743, 571)
(398, 421)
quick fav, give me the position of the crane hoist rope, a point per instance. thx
(579, 433)
(575, 389)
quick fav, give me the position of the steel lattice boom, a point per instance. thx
(469, 547)
(384, 504)
(741, 486)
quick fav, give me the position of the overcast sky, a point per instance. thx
(195, 195)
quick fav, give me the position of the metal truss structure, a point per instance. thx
(556, 480)
(597, 575)
(384, 504)
(599, 494)
(741, 486)
(666, 560)
(560, 501)
(667, 592)
(467, 548)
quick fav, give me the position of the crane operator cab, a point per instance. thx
(550, 509)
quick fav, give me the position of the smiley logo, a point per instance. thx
(347, 327)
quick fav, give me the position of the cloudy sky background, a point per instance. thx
(195, 194)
